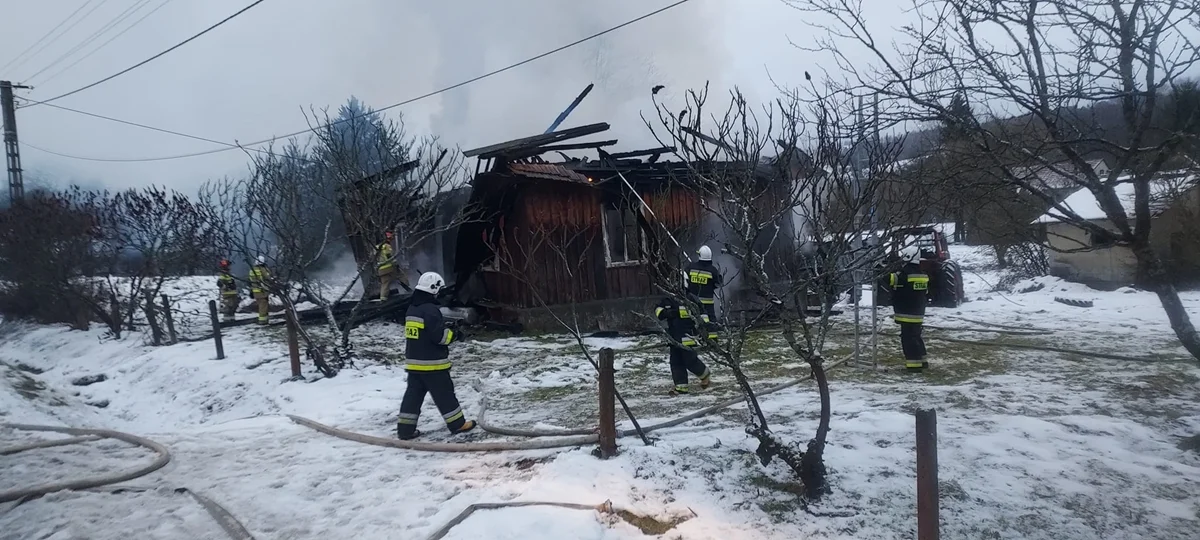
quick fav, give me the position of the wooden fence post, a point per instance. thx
(212, 311)
(927, 475)
(166, 300)
(293, 338)
(608, 411)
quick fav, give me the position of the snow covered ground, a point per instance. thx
(1033, 444)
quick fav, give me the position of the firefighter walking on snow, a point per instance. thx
(260, 280)
(681, 328)
(229, 292)
(427, 340)
(909, 287)
(702, 282)
(386, 269)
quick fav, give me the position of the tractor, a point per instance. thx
(945, 276)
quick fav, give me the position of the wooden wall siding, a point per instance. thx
(570, 211)
(677, 208)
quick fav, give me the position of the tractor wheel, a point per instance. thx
(948, 291)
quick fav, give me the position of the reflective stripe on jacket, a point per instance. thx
(426, 336)
(227, 285)
(385, 256)
(910, 287)
(259, 276)
(681, 326)
(702, 281)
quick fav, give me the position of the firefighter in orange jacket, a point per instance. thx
(910, 286)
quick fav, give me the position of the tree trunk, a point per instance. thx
(812, 465)
(1150, 266)
(1001, 255)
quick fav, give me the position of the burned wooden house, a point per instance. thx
(583, 237)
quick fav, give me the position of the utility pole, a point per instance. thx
(12, 152)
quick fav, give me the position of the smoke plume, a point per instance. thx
(679, 48)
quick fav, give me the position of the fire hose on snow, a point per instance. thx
(84, 435)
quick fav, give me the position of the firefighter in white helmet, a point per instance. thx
(260, 281)
(703, 279)
(427, 351)
(909, 287)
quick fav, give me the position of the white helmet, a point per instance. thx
(705, 253)
(430, 282)
(262, 259)
(910, 254)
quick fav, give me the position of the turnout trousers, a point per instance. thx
(229, 305)
(913, 345)
(264, 306)
(441, 387)
(684, 360)
(385, 282)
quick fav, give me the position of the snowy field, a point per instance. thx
(1033, 444)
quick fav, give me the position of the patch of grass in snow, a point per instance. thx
(784, 497)
(547, 393)
(649, 525)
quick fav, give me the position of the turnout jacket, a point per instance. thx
(681, 325)
(385, 257)
(427, 339)
(259, 277)
(703, 278)
(910, 285)
(226, 284)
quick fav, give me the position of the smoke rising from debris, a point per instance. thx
(680, 48)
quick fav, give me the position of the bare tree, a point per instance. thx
(793, 186)
(105, 253)
(301, 203)
(1048, 62)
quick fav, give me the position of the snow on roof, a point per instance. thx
(1044, 177)
(1085, 205)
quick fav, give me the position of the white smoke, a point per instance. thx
(680, 48)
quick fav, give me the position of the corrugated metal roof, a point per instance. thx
(548, 171)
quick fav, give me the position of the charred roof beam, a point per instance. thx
(535, 141)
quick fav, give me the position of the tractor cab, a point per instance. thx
(945, 276)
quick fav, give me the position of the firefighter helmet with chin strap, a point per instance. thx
(910, 254)
(705, 253)
(430, 282)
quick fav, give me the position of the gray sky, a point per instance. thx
(249, 79)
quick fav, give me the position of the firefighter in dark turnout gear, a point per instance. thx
(681, 327)
(229, 292)
(427, 340)
(909, 287)
(702, 281)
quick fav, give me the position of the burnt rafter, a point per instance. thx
(526, 143)
(555, 148)
(640, 153)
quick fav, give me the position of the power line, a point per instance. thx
(102, 45)
(229, 146)
(60, 34)
(105, 28)
(46, 35)
(152, 58)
